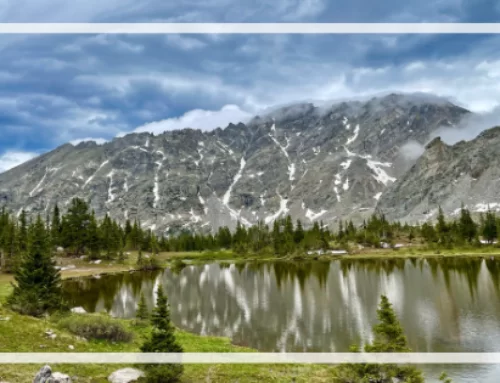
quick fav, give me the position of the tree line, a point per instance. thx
(78, 232)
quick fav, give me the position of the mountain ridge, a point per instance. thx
(315, 163)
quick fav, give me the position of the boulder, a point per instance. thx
(60, 249)
(78, 310)
(45, 375)
(58, 377)
(125, 375)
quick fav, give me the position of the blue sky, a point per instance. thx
(60, 88)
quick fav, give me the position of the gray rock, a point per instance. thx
(125, 375)
(78, 310)
(58, 377)
(447, 176)
(60, 249)
(43, 375)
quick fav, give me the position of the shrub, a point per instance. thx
(151, 263)
(177, 265)
(96, 326)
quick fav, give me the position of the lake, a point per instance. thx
(444, 305)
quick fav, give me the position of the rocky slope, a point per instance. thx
(313, 163)
(447, 176)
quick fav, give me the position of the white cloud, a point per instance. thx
(414, 66)
(98, 141)
(469, 127)
(185, 43)
(198, 119)
(10, 159)
(305, 9)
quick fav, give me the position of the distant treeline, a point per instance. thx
(78, 232)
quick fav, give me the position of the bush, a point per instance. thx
(177, 266)
(151, 263)
(167, 373)
(96, 326)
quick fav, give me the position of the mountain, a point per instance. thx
(315, 163)
(447, 176)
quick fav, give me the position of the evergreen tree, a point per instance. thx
(23, 231)
(55, 226)
(298, 235)
(11, 254)
(142, 309)
(93, 241)
(489, 227)
(77, 222)
(442, 228)
(467, 227)
(37, 287)
(388, 337)
(162, 340)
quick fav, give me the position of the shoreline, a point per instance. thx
(82, 268)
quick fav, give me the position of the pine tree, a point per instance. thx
(11, 254)
(93, 241)
(489, 228)
(37, 287)
(23, 232)
(467, 227)
(77, 221)
(389, 337)
(298, 235)
(162, 340)
(442, 228)
(142, 309)
(55, 226)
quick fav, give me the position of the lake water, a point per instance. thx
(445, 305)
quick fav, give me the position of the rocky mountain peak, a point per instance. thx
(315, 163)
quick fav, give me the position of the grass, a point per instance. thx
(26, 334)
(96, 327)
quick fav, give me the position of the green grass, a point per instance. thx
(27, 334)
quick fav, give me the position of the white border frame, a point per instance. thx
(250, 28)
(248, 358)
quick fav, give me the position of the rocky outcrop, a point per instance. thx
(45, 375)
(313, 163)
(125, 375)
(448, 176)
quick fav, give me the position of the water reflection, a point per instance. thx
(446, 304)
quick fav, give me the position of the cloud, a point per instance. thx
(98, 141)
(411, 150)
(198, 119)
(469, 127)
(185, 43)
(11, 159)
(304, 9)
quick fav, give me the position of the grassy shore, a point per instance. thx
(82, 268)
(25, 334)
